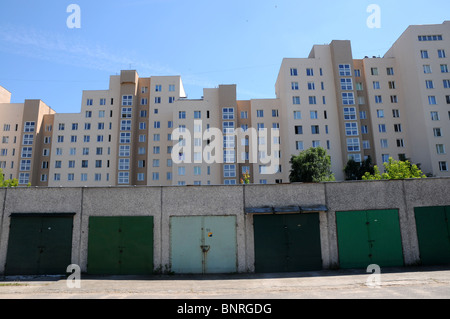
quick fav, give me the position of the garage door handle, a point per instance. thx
(205, 248)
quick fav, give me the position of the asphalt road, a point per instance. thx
(393, 283)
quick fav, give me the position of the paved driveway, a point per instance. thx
(398, 283)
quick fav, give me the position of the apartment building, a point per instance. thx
(145, 131)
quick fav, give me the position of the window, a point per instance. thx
(444, 68)
(392, 85)
(382, 128)
(26, 152)
(228, 113)
(432, 100)
(424, 54)
(378, 99)
(441, 54)
(294, 86)
(125, 125)
(427, 69)
(158, 88)
(364, 129)
(294, 72)
(345, 70)
(380, 113)
(123, 177)
(29, 127)
(397, 128)
(296, 100)
(366, 145)
(181, 114)
(89, 102)
(443, 166)
(259, 113)
(309, 72)
(275, 113)
(229, 171)
(197, 114)
(124, 164)
(228, 127)
(144, 101)
(244, 115)
(25, 165)
(228, 156)
(446, 84)
(315, 129)
(374, 71)
(437, 132)
(349, 113)
(347, 84)
(353, 145)
(430, 37)
(429, 84)
(394, 99)
(125, 138)
(390, 71)
(124, 150)
(297, 115)
(28, 139)
(357, 73)
(385, 158)
(298, 129)
(312, 100)
(311, 86)
(348, 99)
(171, 88)
(376, 85)
(351, 129)
(363, 115)
(395, 113)
(126, 112)
(24, 178)
(127, 100)
(315, 143)
(440, 148)
(313, 115)
(384, 143)
(299, 145)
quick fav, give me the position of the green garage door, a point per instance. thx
(287, 242)
(203, 244)
(369, 237)
(433, 233)
(120, 245)
(39, 244)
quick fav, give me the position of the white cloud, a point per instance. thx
(74, 51)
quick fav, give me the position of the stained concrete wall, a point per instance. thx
(164, 202)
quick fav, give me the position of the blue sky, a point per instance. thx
(206, 42)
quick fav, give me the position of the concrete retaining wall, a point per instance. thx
(164, 202)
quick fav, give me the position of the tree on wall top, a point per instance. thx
(311, 166)
(395, 170)
(9, 182)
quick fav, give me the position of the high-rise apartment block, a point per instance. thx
(145, 131)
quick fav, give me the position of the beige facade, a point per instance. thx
(145, 131)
